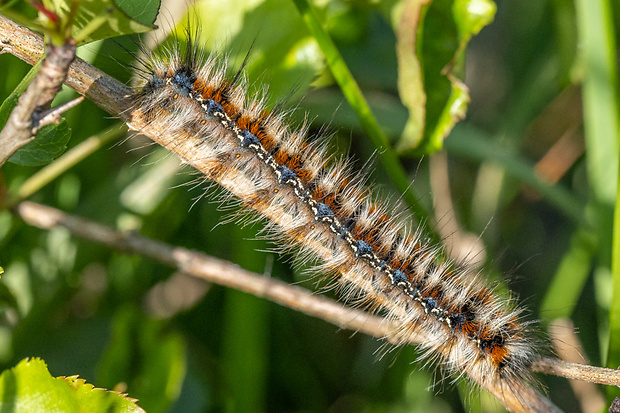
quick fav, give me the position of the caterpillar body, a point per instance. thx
(320, 208)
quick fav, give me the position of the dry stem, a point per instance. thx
(210, 269)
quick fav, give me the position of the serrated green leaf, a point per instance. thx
(432, 38)
(29, 387)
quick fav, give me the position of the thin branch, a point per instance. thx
(31, 111)
(54, 115)
(210, 269)
(575, 371)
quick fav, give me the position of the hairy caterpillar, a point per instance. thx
(322, 207)
(231, 180)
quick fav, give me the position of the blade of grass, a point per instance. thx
(596, 36)
(599, 97)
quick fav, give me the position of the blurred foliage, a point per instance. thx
(126, 323)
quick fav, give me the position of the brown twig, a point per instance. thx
(110, 95)
(575, 371)
(32, 110)
(53, 115)
(210, 269)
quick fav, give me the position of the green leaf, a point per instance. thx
(471, 16)
(49, 144)
(143, 11)
(410, 77)
(29, 387)
(432, 38)
(601, 104)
